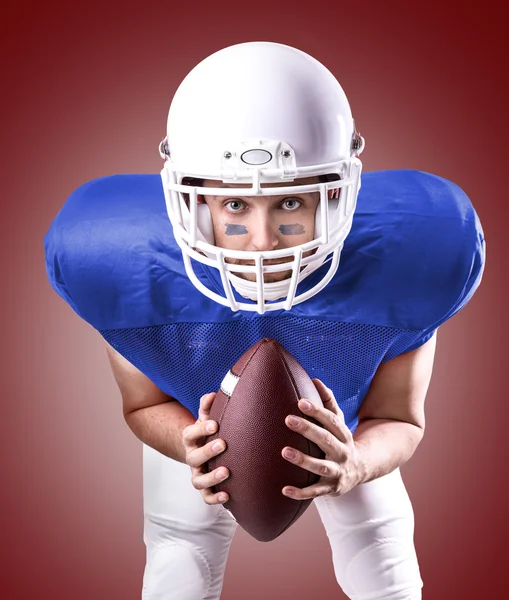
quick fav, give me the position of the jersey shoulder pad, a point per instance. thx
(107, 245)
(414, 257)
(431, 245)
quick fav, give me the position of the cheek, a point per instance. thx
(292, 229)
(299, 228)
(235, 229)
(228, 234)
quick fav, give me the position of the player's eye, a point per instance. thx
(291, 203)
(234, 206)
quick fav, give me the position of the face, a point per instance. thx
(262, 223)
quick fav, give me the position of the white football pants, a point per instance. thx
(370, 530)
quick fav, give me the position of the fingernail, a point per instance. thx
(210, 427)
(305, 405)
(287, 492)
(219, 475)
(222, 498)
(289, 454)
(217, 446)
(293, 421)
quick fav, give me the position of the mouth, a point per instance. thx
(265, 262)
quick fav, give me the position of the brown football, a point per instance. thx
(256, 395)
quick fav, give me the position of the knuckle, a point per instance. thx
(203, 484)
(191, 433)
(197, 468)
(198, 462)
(193, 461)
(186, 434)
(327, 438)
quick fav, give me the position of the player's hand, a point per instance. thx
(341, 470)
(198, 453)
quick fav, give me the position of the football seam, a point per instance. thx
(226, 404)
(228, 398)
(244, 367)
(302, 503)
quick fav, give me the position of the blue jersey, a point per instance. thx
(413, 258)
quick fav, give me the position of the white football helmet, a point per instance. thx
(260, 113)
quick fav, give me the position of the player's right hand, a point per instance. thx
(198, 453)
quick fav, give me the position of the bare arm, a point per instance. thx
(155, 418)
(161, 427)
(164, 424)
(391, 417)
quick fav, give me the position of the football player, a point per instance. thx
(269, 236)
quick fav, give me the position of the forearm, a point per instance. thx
(384, 445)
(160, 427)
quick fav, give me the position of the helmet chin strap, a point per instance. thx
(274, 290)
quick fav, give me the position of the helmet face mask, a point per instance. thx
(213, 139)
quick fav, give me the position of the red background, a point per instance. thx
(85, 93)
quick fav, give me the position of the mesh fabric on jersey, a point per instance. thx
(187, 360)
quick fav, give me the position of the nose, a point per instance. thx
(263, 234)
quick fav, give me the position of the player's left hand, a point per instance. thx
(341, 470)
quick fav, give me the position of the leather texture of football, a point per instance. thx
(256, 395)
